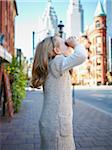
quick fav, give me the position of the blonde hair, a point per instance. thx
(41, 60)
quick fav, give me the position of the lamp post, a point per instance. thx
(73, 94)
(33, 41)
(60, 26)
(19, 53)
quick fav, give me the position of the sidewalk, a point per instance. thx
(92, 129)
(93, 87)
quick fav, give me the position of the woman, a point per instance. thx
(52, 62)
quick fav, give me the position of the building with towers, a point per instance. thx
(75, 19)
(94, 70)
(48, 23)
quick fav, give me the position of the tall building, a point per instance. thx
(48, 23)
(108, 10)
(94, 71)
(75, 18)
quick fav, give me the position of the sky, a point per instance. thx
(29, 12)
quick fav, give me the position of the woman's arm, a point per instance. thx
(77, 58)
(60, 64)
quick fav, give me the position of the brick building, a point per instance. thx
(8, 12)
(94, 70)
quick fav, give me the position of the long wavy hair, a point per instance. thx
(42, 56)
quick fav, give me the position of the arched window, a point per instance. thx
(97, 24)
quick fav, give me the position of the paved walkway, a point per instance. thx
(92, 129)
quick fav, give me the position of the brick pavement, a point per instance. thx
(92, 129)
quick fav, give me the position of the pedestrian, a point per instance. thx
(52, 62)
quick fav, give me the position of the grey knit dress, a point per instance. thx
(56, 128)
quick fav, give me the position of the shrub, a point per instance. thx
(18, 82)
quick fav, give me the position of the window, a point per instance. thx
(99, 60)
(98, 50)
(98, 63)
(98, 45)
(98, 39)
(97, 24)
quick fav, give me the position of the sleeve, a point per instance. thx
(77, 58)
(62, 64)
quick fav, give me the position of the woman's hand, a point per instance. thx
(71, 42)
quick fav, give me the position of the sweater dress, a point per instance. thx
(56, 128)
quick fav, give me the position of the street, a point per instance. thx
(92, 128)
(100, 98)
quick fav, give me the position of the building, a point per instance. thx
(8, 12)
(48, 23)
(108, 10)
(75, 19)
(94, 70)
